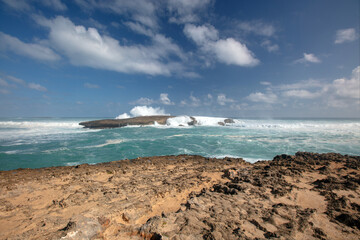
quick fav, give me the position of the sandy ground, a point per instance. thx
(306, 196)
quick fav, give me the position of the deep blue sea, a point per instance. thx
(43, 142)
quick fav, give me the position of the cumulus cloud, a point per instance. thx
(186, 11)
(339, 93)
(345, 35)
(222, 99)
(86, 47)
(32, 50)
(164, 99)
(90, 85)
(37, 87)
(268, 97)
(308, 58)
(348, 88)
(191, 102)
(228, 51)
(257, 27)
(201, 34)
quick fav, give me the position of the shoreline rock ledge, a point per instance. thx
(142, 121)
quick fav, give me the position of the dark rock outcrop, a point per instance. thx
(229, 120)
(116, 123)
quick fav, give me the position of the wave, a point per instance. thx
(187, 121)
(38, 124)
(110, 142)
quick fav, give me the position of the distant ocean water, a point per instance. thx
(44, 142)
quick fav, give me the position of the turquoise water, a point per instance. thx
(35, 143)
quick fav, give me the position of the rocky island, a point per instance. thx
(143, 121)
(302, 196)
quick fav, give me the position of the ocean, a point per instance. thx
(44, 142)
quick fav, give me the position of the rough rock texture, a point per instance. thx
(115, 123)
(146, 120)
(306, 196)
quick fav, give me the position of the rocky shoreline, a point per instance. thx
(305, 196)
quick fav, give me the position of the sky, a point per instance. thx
(231, 58)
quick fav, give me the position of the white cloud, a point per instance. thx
(191, 102)
(340, 93)
(301, 93)
(164, 99)
(305, 84)
(222, 99)
(194, 101)
(146, 111)
(345, 35)
(348, 88)
(268, 97)
(32, 50)
(268, 45)
(257, 27)
(228, 51)
(37, 87)
(141, 11)
(308, 57)
(90, 85)
(201, 34)
(86, 47)
(16, 80)
(139, 28)
(185, 11)
(265, 83)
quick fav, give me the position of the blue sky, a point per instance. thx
(89, 58)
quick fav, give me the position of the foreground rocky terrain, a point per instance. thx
(306, 196)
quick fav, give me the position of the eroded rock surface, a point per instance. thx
(116, 123)
(305, 196)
